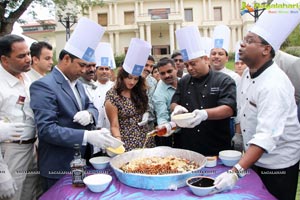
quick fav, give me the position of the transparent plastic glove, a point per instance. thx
(179, 110)
(226, 181)
(100, 138)
(145, 119)
(7, 189)
(82, 117)
(168, 127)
(199, 116)
(10, 131)
(237, 142)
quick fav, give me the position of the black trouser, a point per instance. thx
(282, 183)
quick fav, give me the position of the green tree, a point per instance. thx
(11, 11)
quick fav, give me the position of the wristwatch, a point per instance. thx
(241, 172)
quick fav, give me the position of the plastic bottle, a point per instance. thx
(78, 166)
(162, 130)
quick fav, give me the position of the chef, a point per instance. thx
(209, 94)
(267, 111)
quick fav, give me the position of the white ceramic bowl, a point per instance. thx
(97, 182)
(100, 162)
(201, 185)
(230, 157)
(182, 119)
(117, 151)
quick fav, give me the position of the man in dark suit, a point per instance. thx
(63, 113)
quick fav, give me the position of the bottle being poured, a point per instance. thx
(164, 130)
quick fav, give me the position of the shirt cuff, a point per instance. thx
(84, 141)
(263, 140)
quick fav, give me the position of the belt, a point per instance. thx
(30, 141)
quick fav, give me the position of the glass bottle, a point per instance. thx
(162, 130)
(78, 165)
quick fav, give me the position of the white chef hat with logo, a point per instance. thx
(84, 40)
(221, 37)
(208, 44)
(104, 55)
(189, 41)
(275, 26)
(136, 56)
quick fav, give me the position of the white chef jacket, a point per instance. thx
(10, 110)
(268, 117)
(101, 91)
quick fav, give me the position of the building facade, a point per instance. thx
(157, 20)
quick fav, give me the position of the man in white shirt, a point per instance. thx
(103, 83)
(42, 60)
(15, 114)
(41, 63)
(268, 120)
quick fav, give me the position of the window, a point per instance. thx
(102, 19)
(218, 13)
(188, 14)
(162, 13)
(161, 50)
(129, 18)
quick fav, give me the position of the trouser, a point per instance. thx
(32, 187)
(282, 183)
(17, 158)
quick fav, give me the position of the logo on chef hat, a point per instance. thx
(137, 56)
(83, 43)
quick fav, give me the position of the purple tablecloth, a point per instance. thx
(249, 187)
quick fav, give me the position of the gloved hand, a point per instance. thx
(168, 126)
(83, 117)
(199, 116)
(179, 110)
(145, 119)
(7, 189)
(237, 142)
(100, 138)
(226, 181)
(10, 131)
(8, 186)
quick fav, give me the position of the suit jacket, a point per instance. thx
(54, 105)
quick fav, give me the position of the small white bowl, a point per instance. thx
(230, 157)
(97, 182)
(100, 162)
(182, 119)
(201, 185)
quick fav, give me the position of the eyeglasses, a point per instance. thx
(178, 60)
(250, 41)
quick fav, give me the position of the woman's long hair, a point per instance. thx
(138, 92)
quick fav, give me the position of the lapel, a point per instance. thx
(81, 92)
(60, 79)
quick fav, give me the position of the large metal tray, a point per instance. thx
(156, 182)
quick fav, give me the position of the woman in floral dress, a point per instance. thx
(125, 105)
